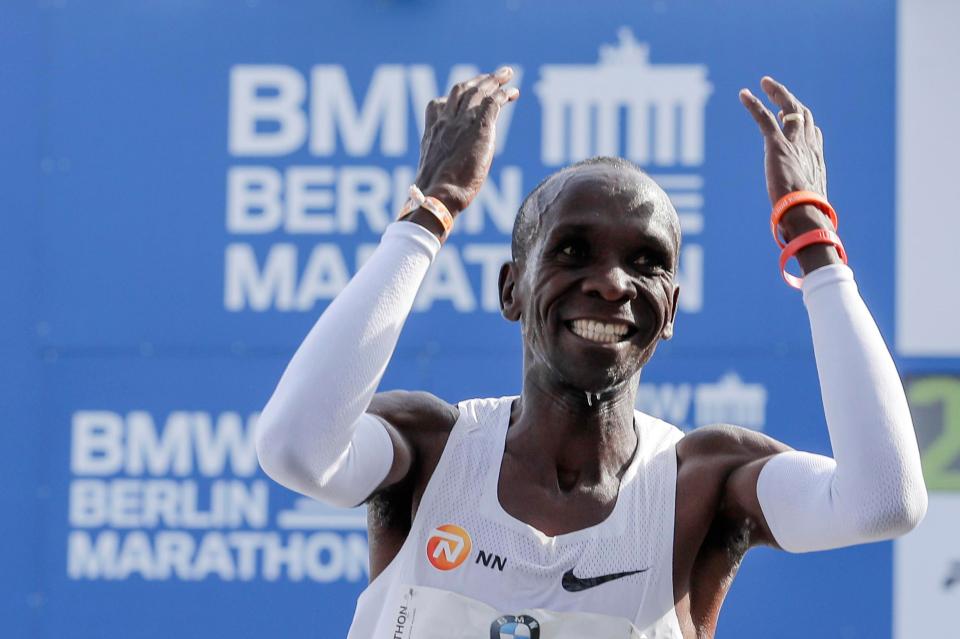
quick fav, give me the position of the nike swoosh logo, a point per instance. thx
(572, 583)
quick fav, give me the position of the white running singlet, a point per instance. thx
(469, 570)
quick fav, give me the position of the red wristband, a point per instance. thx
(819, 236)
(793, 199)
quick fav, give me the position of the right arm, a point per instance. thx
(315, 435)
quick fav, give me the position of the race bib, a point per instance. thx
(429, 613)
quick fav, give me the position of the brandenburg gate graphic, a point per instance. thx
(663, 106)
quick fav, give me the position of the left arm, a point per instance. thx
(872, 489)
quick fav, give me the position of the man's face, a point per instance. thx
(596, 292)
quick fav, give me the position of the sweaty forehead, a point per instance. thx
(607, 192)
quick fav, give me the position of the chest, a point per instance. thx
(549, 509)
(484, 530)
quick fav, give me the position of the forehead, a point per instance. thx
(607, 196)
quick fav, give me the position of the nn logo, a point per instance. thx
(491, 560)
(448, 546)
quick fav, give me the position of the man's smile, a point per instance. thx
(600, 331)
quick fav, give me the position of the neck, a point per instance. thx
(578, 438)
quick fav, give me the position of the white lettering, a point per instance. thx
(363, 190)
(89, 559)
(306, 193)
(175, 550)
(253, 199)
(136, 556)
(88, 503)
(228, 440)
(246, 286)
(242, 555)
(96, 443)
(277, 556)
(158, 454)
(446, 280)
(333, 110)
(271, 94)
(213, 557)
(134, 503)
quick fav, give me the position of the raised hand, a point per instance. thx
(793, 161)
(793, 157)
(458, 140)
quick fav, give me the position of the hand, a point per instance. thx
(458, 140)
(793, 161)
(794, 154)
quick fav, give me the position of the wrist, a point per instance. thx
(427, 220)
(802, 218)
(451, 197)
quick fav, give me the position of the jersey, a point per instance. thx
(469, 569)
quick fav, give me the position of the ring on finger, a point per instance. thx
(793, 117)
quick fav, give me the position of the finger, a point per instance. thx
(505, 95)
(809, 127)
(820, 158)
(433, 110)
(470, 99)
(484, 88)
(490, 106)
(793, 124)
(761, 114)
(490, 81)
(818, 147)
(781, 96)
(457, 91)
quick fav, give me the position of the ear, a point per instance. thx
(509, 304)
(667, 331)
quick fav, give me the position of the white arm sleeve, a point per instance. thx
(873, 488)
(313, 435)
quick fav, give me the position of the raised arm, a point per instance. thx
(314, 435)
(872, 489)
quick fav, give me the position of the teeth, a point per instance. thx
(598, 331)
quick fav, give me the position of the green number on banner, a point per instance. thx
(941, 458)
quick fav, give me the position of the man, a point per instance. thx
(563, 512)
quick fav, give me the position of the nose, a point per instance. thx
(611, 283)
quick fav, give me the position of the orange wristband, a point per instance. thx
(791, 200)
(436, 207)
(819, 236)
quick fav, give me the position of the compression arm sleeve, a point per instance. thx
(873, 487)
(313, 435)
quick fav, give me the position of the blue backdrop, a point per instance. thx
(187, 184)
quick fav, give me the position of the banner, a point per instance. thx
(205, 177)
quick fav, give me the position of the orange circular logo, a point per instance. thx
(448, 546)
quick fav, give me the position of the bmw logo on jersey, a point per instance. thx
(511, 627)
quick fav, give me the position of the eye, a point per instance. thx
(649, 261)
(573, 249)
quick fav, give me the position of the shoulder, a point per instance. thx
(717, 507)
(419, 424)
(726, 446)
(414, 413)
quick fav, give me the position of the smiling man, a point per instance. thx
(563, 512)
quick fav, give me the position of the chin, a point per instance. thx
(599, 380)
